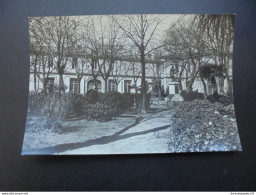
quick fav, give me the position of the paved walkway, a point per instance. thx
(150, 134)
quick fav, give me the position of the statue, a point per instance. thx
(172, 76)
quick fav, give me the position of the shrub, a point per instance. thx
(99, 112)
(192, 95)
(92, 96)
(35, 101)
(112, 100)
(77, 101)
(126, 101)
(214, 97)
(225, 100)
(58, 107)
(52, 105)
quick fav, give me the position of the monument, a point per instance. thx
(174, 86)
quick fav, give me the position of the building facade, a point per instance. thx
(82, 74)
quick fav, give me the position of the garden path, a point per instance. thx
(148, 135)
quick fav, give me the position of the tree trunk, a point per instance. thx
(159, 92)
(61, 88)
(35, 81)
(106, 85)
(191, 82)
(79, 84)
(205, 88)
(214, 85)
(230, 87)
(143, 82)
(189, 87)
(221, 85)
(180, 85)
(136, 92)
(44, 87)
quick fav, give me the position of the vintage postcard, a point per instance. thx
(130, 84)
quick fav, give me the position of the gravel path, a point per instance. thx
(150, 135)
(79, 134)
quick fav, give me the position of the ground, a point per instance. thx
(149, 135)
(151, 132)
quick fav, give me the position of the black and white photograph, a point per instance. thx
(131, 84)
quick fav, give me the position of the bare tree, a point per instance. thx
(157, 65)
(119, 71)
(105, 44)
(141, 30)
(41, 61)
(80, 55)
(135, 73)
(190, 48)
(59, 36)
(34, 59)
(81, 68)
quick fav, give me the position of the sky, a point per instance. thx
(169, 20)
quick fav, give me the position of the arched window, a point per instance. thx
(94, 84)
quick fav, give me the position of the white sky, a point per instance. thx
(169, 20)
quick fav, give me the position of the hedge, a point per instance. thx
(94, 105)
(192, 95)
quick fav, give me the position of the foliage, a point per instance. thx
(214, 97)
(35, 101)
(112, 100)
(200, 125)
(127, 101)
(225, 100)
(109, 105)
(52, 105)
(77, 102)
(210, 70)
(92, 96)
(98, 111)
(192, 95)
(94, 105)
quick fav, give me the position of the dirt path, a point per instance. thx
(146, 128)
(148, 135)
